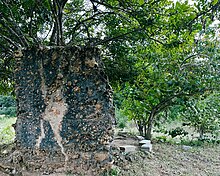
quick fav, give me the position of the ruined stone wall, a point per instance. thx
(65, 109)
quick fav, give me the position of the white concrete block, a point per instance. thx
(142, 142)
(146, 147)
(140, 137)
(127, 148)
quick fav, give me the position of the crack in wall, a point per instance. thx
(54, 112)
(42, 135)
(44, 92)
(43, 84)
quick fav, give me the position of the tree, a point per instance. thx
(203, 114)
(168, 75)
(163, 83)
(49, 90)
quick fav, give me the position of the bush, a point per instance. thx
(121, 119)
(7, 106)
(10, 111)
(7, 135)
(177, 132)
(7, 132)
(203, 114)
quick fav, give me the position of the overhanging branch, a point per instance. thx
(15, 29)
(10, 41)
(166, 102)
(116, 37)
(191, 56)
(203, 13)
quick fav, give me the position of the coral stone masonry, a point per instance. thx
(65, 110)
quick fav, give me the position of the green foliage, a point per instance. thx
(167, 77)
(187, 141)
(121, 119)
(122, 29)
(7, 106)
(203, 114)
(7, 101)
(7, 132)
(177, 132)
(112, 172)
(199, 142)
(7, 135)
(157, 53)
(161, 138)
(10, 111)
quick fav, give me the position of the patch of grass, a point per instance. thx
(199, 142)
(186, 141)
(7, 132)
(113, 172)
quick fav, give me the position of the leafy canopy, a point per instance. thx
(121, 28)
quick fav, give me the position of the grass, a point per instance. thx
(7, 133)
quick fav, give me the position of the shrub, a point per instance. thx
(203, 114)
(7, 106)
(177, 132)
(121, 119)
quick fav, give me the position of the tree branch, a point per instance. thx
(30, 24)
(157, 41)
(10, 41)
(203, 13)
(103, 4)
(16, 30)
(60, 5)
(53, 38)
(87, 19)
(191, 56)
(166, 101)
(4, 23)
(116, 37)
(57, 13)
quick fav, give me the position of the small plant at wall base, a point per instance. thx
(7, 135)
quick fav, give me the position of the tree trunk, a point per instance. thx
(201, 132)
(140, 127)
(148, 135)
(65, 110)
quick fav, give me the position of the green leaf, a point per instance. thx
(214, 2)
(141, 2)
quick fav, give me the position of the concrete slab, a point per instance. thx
(140, 138)
(128, 148)
(146, 147)
(142, 142)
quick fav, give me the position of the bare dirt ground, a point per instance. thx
(164, 160)
(171, 160)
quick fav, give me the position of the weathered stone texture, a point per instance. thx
(64, 107)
